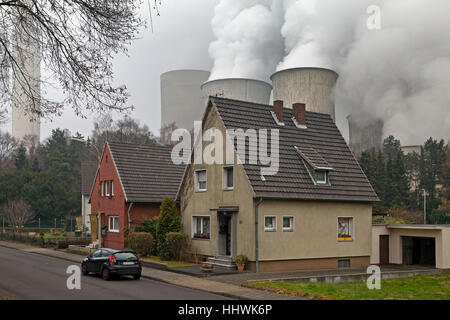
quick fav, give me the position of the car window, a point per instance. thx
(97, 254)
(105, 253)
(124, 255)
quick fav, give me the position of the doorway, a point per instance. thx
(419, 251)
(384, 249)
(226, 233)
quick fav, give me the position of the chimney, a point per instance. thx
(299, 111)
(278, 109)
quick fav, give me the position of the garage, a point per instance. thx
(419, 251)
(412, 245)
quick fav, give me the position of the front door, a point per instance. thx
(384, 249)
(225, 234)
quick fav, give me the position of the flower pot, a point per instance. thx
(241, 267)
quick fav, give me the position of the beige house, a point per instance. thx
(313, 211)
(427, 245)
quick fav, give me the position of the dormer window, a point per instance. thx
(317, 167)
(321, 176)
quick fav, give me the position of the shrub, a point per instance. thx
(169, 221)
(149, 226)
(63, 244)
(178, 242)
(240, 259)
(141, 242)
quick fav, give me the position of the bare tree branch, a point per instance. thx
(17, 213)
(75, 42)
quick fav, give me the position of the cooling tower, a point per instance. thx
(238, 89)
(25, 82)
(365, 133)
(181, 97)
(312, 86)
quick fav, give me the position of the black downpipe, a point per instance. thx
(257, 233)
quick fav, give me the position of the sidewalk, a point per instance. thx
(226, 289)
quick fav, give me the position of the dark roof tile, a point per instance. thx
(322, 143)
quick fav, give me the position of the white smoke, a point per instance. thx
(400, 73)
(249, 43)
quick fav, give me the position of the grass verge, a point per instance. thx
(422, 287)
(169, 264)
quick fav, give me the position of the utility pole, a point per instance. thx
(3, 218)
(424, 206)
(39, 224)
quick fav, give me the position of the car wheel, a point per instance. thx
(105, 274)
(84, 270)
(136, 276)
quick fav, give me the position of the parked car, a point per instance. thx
(110, 262)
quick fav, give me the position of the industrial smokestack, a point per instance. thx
(181, 97)
(365, 133)
(26, 88)
(250, 90)
(312, 86)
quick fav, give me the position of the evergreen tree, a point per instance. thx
(169, 221)
(20, 158)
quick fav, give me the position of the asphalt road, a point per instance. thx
(33, 276)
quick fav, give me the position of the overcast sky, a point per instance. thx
(180, 40)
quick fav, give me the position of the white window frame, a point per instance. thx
(194, 226)
(290, 229)
(325, 175)
(107, 188)
(225, 178)
(109, 224)
(274, 229)
(197, 184)
(352, 228)
(112, 187)
(102, 191)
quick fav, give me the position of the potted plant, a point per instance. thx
(207, 267)
(240, 260)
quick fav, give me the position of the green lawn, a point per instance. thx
(169, 264)
(428, 287)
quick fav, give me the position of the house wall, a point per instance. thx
(377, 231)
(194, 203)
(315, 234)
(85, 212)
(313, 244)
(116, 205)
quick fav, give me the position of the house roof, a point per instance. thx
(321, 142)
(146, 171)
(88, 171)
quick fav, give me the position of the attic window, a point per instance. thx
(317, 167)
(321, 176)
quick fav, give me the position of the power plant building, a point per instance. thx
(365, 133)
(182, 100)
(312, 86)
(249, 90)
(26, 90)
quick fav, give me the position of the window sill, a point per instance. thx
(270, 230)
(288, 230)
(114, 231)
(201, 239)
(228, 189)
(345, 240)
(199, 191)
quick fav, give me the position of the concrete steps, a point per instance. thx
(222, 261)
